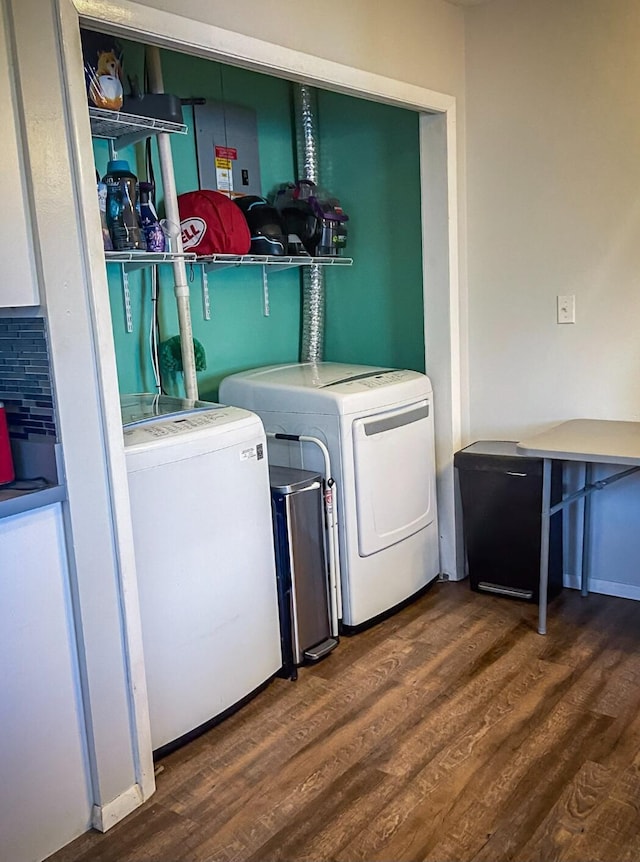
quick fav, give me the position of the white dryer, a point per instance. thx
(201, 515)
(378, 426)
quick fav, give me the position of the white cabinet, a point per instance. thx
(18, 279)
(44, 795)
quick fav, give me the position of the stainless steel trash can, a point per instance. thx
(301, 566)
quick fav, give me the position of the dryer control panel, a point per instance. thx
(387, 378)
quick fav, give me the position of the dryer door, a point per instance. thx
(394, 474)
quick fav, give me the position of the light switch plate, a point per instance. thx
(566, 309)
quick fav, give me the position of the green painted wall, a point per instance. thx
(368, 158)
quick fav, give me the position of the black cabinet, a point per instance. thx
(501, 493)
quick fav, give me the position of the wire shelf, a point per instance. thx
(129, 128)
(219, 261)
(146, 257)
(138, 259)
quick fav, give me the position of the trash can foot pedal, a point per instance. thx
(501, 590)
(315, 653)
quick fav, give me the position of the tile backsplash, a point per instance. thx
(25, 379)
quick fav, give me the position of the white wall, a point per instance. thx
(553, 173)
(421, 44)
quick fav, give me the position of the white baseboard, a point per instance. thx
(451, 576)
(103, 817)
(605, 588)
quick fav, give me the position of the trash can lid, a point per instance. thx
(287, 480)
(495, 455)
(492, 447)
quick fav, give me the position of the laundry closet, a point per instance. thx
(237, 132)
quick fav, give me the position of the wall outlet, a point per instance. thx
(566, 309)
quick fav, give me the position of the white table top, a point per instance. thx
(602, 441)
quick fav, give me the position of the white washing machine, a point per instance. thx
(378, 426)
(201, 514)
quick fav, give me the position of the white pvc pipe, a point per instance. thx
(181, 286)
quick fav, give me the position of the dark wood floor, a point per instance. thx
(450, 732)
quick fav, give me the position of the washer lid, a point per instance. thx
(148, 407)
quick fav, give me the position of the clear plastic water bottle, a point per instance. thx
(153, 232)
(123, 216)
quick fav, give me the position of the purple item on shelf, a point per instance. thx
(149, 218)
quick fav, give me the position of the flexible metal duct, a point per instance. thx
(313, 293)
(306, 115)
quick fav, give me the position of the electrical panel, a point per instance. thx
(227, 148)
